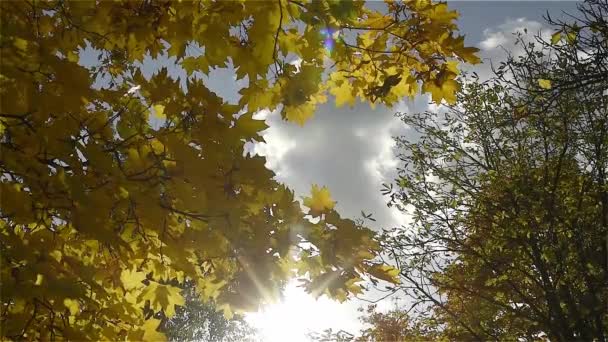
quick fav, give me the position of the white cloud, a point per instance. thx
(384, 161)
(349, 150)
(500, 40)
(276, 147)
(493, 40)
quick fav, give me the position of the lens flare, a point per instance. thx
(329, 36)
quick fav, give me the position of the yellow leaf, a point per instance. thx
(210, 288)
(556, 37)
(150, 333)
(132, 279)
(343, 94)
(123, 192)
(73, 57)
(385, 272)
(159, 111)
(545, 84)
(163, 297)
(72, 305)
(320, 201)
(157, 146)
(452, 66)
(226, 310)
(447, 90)
(192, 64)
(571, 37)
(17, 306)
(299, 114)
(56, 254)
(440, 14)
(45, 24)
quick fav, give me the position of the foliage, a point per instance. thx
(393, 325)
(509, 198)
(117, 185)
(200, 321)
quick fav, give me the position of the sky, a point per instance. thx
(351, 151)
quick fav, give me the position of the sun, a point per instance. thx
(298, 314)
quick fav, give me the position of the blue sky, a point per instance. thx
(351, 150)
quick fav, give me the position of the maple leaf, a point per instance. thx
(343, 94)
(151, 334)
(446, 90)
(163, 297)
(299, 114)
(320, 201)
(132, 279)
(385, 272)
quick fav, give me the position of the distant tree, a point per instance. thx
(393, 325)
(508, 194)
(197, 320)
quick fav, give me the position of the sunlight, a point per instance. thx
(300, 313)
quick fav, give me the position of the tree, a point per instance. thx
(201, 321)
(508, 193)
(116, 185)
(393, 325)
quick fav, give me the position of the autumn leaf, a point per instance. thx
(151, 333)
(163, 297)
(543, 83)
(343, 94)
(320, 201)
(299, 114)
(385, 272)
(571, 36)
(444, 91)
(132, 279)
(556, 37)
(159, 111)
(72, 305)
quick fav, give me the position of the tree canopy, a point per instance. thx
(507, 190)
(116, 186)
(392, 325)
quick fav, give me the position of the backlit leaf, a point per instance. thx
(320, 200)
